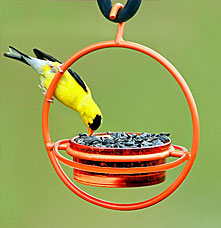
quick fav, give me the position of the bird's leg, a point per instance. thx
(43, 88)
(50, 65)
(45, 91)
(56, 67)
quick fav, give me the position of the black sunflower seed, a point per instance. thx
(124, 140)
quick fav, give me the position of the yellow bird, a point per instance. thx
(71, 90)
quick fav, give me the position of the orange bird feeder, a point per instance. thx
(104, 166)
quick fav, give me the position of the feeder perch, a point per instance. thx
(103, 166)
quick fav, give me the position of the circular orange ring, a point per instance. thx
(183, 156)
(189, 98)
(117, 158)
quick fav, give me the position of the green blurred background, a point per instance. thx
(134, 92)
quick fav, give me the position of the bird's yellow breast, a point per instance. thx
(68, 91)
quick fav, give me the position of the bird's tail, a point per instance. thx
(15, 54)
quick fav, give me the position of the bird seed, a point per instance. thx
(124, 140)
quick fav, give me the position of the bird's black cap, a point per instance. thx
(96, 123)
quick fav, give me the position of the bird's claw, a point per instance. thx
(44, 93)
(54, 67)
(50, 100)
(59, 69)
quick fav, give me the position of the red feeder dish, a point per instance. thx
(92, 165)
(118, 157)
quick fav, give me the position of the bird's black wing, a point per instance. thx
(41, 55)
(78, 79)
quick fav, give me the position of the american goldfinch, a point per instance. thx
(71, 90)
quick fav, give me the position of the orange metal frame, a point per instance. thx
(182, 154)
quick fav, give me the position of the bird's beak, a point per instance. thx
(90, 132)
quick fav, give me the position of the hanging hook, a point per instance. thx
(124, 14)
(113, 14)
(114, 11)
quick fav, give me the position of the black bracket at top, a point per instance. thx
(124, 14)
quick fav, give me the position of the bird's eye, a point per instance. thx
(96, 123)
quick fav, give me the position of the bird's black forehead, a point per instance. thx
(96, 123)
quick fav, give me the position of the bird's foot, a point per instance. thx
(49, 100)
(59, 69)
(44, 93)
(56, 67)
(50, 65)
